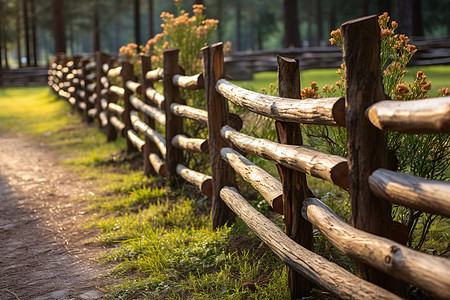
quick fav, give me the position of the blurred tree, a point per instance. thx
(58, 27)
(33, 32)
(151, 30)
(27, 31)
(137, 22)
(18, 37)
(291, 31)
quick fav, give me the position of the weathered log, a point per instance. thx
(305, 159)
(103, 118)
(104, 103)
(155, 75)
(81, 94)
(190, 112)
(116, 108)
(117, 90)
(295, 187)
(418, 116)
(104, 82)
(105, 68)
(72, 100)
(127, 75)
(90, 77)
(92, 98)
(155, 137)
(174, 124)
(70, 77)
(192, 145)
(114, 72)
(408, 190)
(82, 105)
(150, 111)
(65, 70)
(137, 142)
(431, 273)
(92, 112)
(194, 82)
(71, 89)
(157, 164)
(155, 97)
(91, 66)
(117, 124)
(327, 111)
(200, 180)
(135, 87)
(268, 186)
(367, 146)
(316, 268)
(218, 113)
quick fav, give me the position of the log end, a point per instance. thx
(205, 147)
(339, 175)
(338, 112)
(207, 188)
(162, 170)
(277, 204)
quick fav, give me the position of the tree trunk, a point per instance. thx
(5, 50)
(33, 33)
(137, 23)
(291, 31)
(58, 27)
(27, 30)
(96, 28)
(319, 19)
(238, 26)
(19, 55)
(403, 15)
(151, 29)
(417, 17)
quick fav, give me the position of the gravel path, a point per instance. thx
(43, 254)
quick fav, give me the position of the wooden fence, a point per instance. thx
(383, 266)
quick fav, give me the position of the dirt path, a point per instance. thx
(43, 255)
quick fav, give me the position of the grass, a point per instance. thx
(439, 75)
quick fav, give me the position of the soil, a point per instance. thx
(44, 251)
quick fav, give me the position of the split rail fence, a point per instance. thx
(383, 266)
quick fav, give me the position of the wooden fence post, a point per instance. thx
(127, 74)
(222, 173)
(100, 58)
(174, 124)
(149, 147)
(295, 189)
(87, 93)
(367, 146)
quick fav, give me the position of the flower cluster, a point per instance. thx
(444, 92)
(311, 91)
(188, 33)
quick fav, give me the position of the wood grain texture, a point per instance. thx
(134, 86)
(155, 75)
(135, 139)
(295, 187)
(155, 97)
(117, 90)
(114, 72)
(305, 159)
(194, 82)
(151, 111)
(431, 273)
(190, 112)
(149, 132)
(411, 191)
(267, 185)
(200, 180)
(417, 116)
(313, 266)
(308, 111)
(191, 144)
(116, 108)
(367, 146)
(158, 164)
(222, 173)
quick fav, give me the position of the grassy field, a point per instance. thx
(438, 75)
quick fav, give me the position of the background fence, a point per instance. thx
(382, 265)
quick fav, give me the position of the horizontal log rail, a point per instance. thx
(200, 180)
(155, 75)
(104, 82)
(194, 82)
(134, 138)
(154, 136)
(103, 118)
(151, 111)
(135, 87)
(90, 77)
(155, 97)
(190, 144)
(91, 66)
(158, 164)
(116, 108)
(119, 125)
(431, 273)
(114, 72)
(104, 103)
(408, 190)
(313, 266)
(190, 112)
(268, 186)
(92, 112)
(117, 90)
(305, 159)
(82, 105)
(417, 116)
(327, 111)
